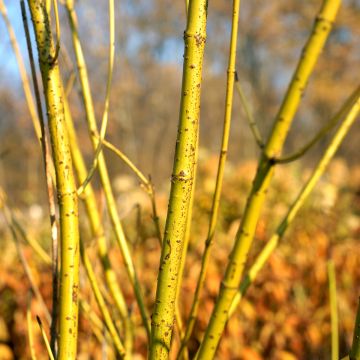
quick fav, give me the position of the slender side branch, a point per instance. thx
(186, 6)
(107, 97)
(249, 116)
(29, 240)
(127, 161)
(44, 336)
(96, 323)
(69, 83)
(322, 132)
(146, 182)
(67, 199)
(182, 182)
(57, 23)
(273, 148)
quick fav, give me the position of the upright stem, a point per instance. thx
(67, 198)
(178, 319)
(220, 174)
(333, 311)
(181, 182)
(273, 148)
(355, 349)
(50, 189)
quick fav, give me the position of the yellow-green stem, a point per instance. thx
(181, 182)
(30, 329)
(333, 311)
(182, 349)
(220, 174)
(273, 148)
(66, 190)
(179, 323)
(355, 349)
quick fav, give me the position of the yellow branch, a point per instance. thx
(66, 190)
(182, 182)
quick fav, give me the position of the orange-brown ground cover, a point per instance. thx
(285, 314)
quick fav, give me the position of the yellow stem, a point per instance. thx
(182, 182)
(66, 190)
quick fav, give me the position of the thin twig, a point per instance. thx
(107, 97)
(321, 134)
(96, 323)
(146, 182)
(29, 240)
(46, 341)
(70, 83)
(127, 161)
(57, 22)
(29, 329)
(186, 6)
(249, 116)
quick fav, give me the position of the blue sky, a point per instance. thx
(9, 74)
